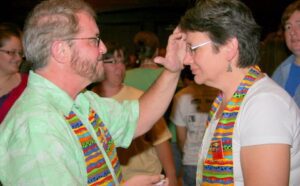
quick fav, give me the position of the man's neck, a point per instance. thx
(6, 77)
(64, 81)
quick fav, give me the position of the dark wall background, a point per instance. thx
(122, 25)
(267, 13)
(119, 20)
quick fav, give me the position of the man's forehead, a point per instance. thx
(87, 24)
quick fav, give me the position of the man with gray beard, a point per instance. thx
(59, 134)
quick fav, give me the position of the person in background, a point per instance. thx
(176, 154)
(273, 52)
(131, 62)
(146, 46)
(287, 74)
(64, 134)
(189, 113)
(151, 152)
(253, 131)
(12, 82)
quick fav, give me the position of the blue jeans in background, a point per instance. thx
(177, 157)
(189, 175)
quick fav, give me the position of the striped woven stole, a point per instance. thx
(218, 165)
(98, 172)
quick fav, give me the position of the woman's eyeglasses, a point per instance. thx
(13, 53)
(192, 49)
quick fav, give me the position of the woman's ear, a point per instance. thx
(60, 51)
(232, 47)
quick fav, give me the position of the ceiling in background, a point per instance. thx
(115, 5)
(266, 12)
(12, 9)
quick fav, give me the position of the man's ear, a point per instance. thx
(232, 48)
(60, 51)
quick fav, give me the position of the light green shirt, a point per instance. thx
(37, 145)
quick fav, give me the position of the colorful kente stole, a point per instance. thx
(218, 165)
(97, 170)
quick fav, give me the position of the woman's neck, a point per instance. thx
(106, 90)
(149, 63)
(231, 87)
(9, 82)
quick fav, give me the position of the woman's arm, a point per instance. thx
(266, 164)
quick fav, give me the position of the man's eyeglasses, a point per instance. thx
(13, 53)
(96, 40)
(192, 49)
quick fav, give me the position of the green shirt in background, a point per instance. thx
(142, 78)
(37, 145)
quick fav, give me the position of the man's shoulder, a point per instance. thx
(30, 106)
(25, 110)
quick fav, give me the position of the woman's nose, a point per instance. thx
(187, 60)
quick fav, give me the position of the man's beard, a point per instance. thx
(86, 68)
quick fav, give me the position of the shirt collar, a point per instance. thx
(58, 97)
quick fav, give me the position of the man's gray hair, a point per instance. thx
(49, 21)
